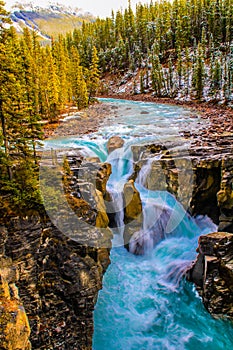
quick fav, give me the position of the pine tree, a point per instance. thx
(170, 83)
(229, 76)
(141, 27)
(179, 67)
(79, 88)
(204, 41)
(188, 65)
(93, 75)
(4, 63)
(135, 87)
(9, 99)
(226, 92)
(52, 87)
(30, 83)
(4, 19)
(81, 94)
(129, 24)
(62, 62)
(142, 88)
(157, 76)
(17, 169)
(216, 77)
(199, 74)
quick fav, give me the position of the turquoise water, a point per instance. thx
(162, 123)
(145, 303)
(142, 306)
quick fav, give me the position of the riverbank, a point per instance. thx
(80, 123)
(88, 120)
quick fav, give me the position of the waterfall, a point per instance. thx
(145, 302)
(121, 163)
(143, 173)
(117, 209)
(145, 170)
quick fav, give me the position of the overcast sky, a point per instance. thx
(100, 8)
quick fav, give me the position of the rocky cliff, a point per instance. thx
(14, 326)
(200, 176)
(212, 273)
(57, 276)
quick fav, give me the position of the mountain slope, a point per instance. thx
(48, 21)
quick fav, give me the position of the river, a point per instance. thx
(145, 303)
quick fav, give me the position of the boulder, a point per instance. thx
(133, 211)
(114, 142)
(212, 273)
(133, 204)
(102, 220)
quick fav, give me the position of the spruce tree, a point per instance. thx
(216, 77)
(93, 75)
(62, 61)
(4, 19)
(199, 74)
(170, 83)
(30, 83)
(142, 88)
(179, 67)
(52, 87)
(79, 88)
(157, 76)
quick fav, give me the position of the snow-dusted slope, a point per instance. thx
(49, 19)
(46, 6)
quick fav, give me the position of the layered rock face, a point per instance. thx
(212, 273)
(225, 196)
(201, 179)
(59, 275)
(14, 326)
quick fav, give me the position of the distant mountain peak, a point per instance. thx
(48, 18)
(51, 6)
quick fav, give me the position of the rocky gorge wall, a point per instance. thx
(200, 177)
(49, 280)
(212, 273)
(14, 326)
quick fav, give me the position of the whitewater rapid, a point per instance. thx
(145, 302)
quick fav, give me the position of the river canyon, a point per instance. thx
(127, 255)
(164, 192)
